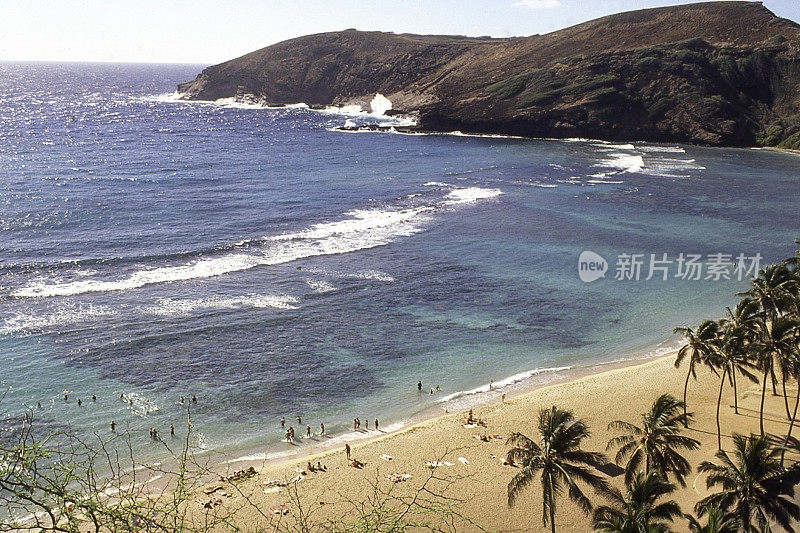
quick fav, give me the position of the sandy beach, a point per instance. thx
(448, 458)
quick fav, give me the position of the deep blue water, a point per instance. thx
(271, 266)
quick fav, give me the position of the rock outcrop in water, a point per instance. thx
(715, 73)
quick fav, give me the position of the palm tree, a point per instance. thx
(794, 364)
(657, 443)
(744, 318)
(754, 485)
(718, 521)
(698, 348)
(777, 340)
(730, 356)
(638, 510)
(558, 461)
(775, 290)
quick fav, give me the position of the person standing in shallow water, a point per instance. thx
(347, 450)
(419, 386)
(308, 431)
(376, 424)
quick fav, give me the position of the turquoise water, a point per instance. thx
(272, 266)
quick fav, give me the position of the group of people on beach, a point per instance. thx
(436, 389)
(289, 435)
(357, 424)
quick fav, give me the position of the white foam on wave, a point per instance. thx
(377, 110)
(375, 275)
(320, 286)
(363, 229)
(178, 307)
(644, 160)
(234, 102)
(380, 104)
(352, 110)
(436, 184)
(671, 149)
(26, 323)
(498, 386)
(327, 441)
(614, 146)
(471, 194)
(600, 181)
(140, 404)
(365, 433)
(360, 221)
(624, 162)
(175, 97)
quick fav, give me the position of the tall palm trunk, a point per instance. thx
(685, 390)
(552, 509)
(719, 401)
(785, 397)
(774, 383)
(763, 394)
(735, 392)
(791, 422)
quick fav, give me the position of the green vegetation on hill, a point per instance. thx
(714, 73)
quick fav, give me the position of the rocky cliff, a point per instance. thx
(716, 73)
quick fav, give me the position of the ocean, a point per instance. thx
(272, 266)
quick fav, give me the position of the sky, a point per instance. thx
(211, 31)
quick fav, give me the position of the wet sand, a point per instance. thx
(475, 487)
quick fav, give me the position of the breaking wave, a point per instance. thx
(180, 307)
(498, 386)
(27, 323)
(361, 230)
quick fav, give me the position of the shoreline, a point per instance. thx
(471, 466)
(412, 128)
(224, 463)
